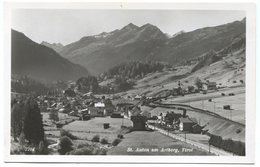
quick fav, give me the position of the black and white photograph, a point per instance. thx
(147, 82)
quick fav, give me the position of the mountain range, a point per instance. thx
(32, 59)
(100, 52)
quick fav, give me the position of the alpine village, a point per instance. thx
(132, 91)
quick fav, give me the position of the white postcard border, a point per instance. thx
(250, 83)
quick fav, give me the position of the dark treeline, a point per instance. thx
(27, 85)
(88, 84)
(133, 70)
(27, 125)
(236, 147)
(123, 76)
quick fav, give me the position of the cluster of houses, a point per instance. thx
(180, 122)
(181, 89)
(88, 105)
(174, 121)
(75, 104)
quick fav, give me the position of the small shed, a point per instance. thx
(212, 85)
(139, 123)
(196, 129)
(226, 107)
(186, 124)
(138, 97)
(116, 115)
(85, 117)
(146, 114)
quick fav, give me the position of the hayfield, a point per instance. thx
(237, 102)
(88, 129)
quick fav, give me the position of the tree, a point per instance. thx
(65, 145)
(33, 127)
(16, 120)
(198, 83)
(53, 115)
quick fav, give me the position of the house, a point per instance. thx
(139, 123)
(95, 112)
(172, 118)
(83, 111)
(169, 117)
(96, 109)
(191, 89)
(74, 113)
(135, 111)
(177, 116)
(116, 115)
(109, 110)
(69, 93)
(211, 85)
(99, 105)
(146, 114)
(196, 129)
(138, 97)
(185, 89)
(177, 91)
(186, 124)
(204, 86)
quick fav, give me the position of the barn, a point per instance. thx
(212, 85)
(186, 124)
(146, 114)
(139, 123)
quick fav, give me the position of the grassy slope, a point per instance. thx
(225, 72)
(152, 140)
(88, 129)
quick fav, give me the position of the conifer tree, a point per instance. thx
(33, 127)
(16, 120)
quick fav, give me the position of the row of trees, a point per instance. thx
(133, 69)
(26, 118)
(90, 84)
(236, 147)
(205, 60)
(27, 85)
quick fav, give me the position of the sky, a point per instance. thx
(69, 25)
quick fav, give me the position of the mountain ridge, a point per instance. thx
(31, 58)
(148, 42)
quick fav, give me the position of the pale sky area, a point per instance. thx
(69, 25)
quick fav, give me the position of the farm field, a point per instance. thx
(142, 143)
(237, 102)
(88, 129)
(96, 125)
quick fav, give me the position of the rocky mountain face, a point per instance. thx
(100, 52)
(55, 46)
(30, 58)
